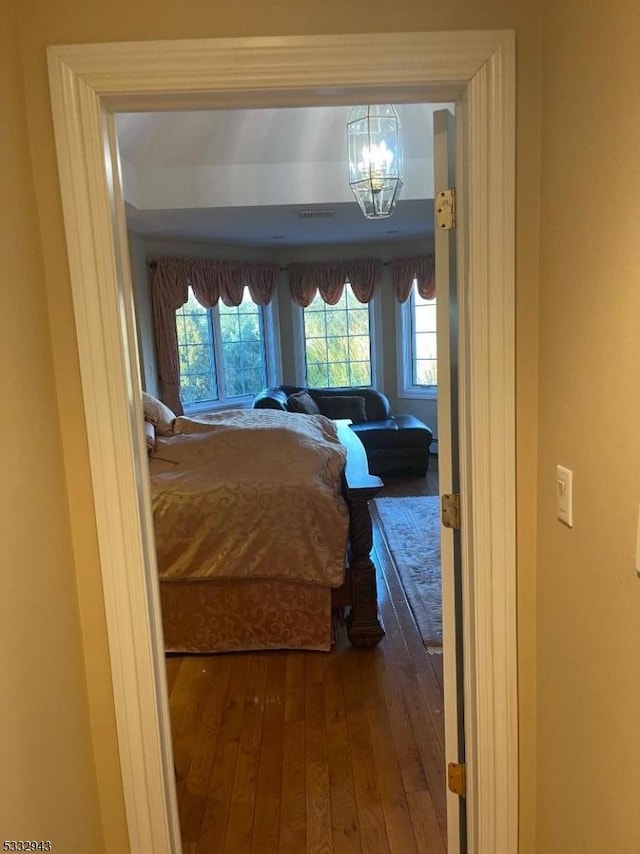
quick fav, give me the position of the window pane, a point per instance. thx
(360, 373)
(233, 360)
(249, 326)
(195, 351)
(252, 355)
(199, 358)
(425, 317)
(337, 323)
(315, 323)
(234, 384)
(358, 348)
(338, 374)
(316, 350)
(229, 327)
(358, 322)
(196, 387)
(253, 378)
(426, 347)
(426, 372)
(243, 350)
(194, 329)
(317, 375)
(424, 366)
(337, 349)
(336, 338)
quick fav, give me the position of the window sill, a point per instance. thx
(217, 406)
(419, 394)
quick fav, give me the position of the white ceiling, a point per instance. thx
(244, 176)
(281, 225)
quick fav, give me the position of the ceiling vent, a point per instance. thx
(316, 214)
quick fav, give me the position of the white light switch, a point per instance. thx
(564, 495)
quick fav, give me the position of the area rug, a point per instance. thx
(411, 528)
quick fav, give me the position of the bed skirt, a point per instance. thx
(224, 616)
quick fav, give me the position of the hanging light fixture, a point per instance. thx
(374, 138)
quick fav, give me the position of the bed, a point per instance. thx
(263, 532)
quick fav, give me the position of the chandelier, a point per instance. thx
(374, 138)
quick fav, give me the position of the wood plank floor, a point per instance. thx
(314, 752)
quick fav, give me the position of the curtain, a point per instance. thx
(210, 280)
(329, 278)
(405, 270)
(169, 290)
(305, 280)
(363, 276)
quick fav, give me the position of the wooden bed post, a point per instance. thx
(363, 624)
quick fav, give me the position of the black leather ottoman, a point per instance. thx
(400, 443)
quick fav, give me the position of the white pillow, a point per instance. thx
(150, 436)
(158, 414)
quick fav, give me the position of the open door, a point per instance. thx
(448, 467)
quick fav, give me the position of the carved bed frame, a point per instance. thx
(359, 590)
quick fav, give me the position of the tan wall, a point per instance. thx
(588, 590)
(53, 21)
(47, 779)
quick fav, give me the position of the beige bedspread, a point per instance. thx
(250, 494)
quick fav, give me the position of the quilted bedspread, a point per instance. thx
(247, 494)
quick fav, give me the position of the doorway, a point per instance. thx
(232, 735)
(89, 83)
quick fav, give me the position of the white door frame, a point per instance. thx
(477, 71)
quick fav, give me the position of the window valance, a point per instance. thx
(405, 270)
(329, 278)
(212, 280)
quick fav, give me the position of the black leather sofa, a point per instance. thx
(393, 443)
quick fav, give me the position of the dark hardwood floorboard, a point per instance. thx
(402, 485)
(295, 752)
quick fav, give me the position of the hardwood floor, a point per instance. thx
(400, 486)
(314, 752)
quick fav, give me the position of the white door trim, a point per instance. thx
(474, 69)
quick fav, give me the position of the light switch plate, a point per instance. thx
(564, 495)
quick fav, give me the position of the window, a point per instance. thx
(195, 339)
(223, 351)
(418, 364)
(337, 342)
(423, 340)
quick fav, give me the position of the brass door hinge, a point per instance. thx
(450, 505)
(446, 209)
(457, 776)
